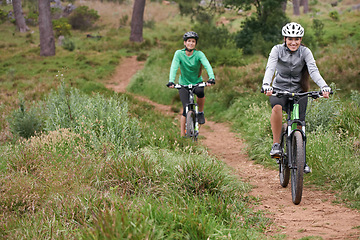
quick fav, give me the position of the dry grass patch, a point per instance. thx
(111, 13)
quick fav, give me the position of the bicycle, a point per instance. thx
(191, 110)
(292, 159)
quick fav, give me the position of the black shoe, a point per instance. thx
(275, 150)
(201, 117)
(307, 169)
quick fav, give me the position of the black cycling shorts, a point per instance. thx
(184, 96)
(285, 103)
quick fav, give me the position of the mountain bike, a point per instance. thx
(191, 110)
(292, 159)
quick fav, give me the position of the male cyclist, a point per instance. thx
(190, 62)
(292, 63)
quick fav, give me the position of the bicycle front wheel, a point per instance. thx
(284, 170)
(190, 124)
(297, 167)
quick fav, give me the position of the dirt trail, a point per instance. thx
(314, 216)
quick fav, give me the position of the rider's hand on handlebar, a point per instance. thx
(210, 82)
(170, 84)
(267, 89)
(326, 91)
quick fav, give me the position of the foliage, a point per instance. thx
(26, 123)
(149, 24)
(263, 29)
(124, 20)
(61, 27)
(321, 113)
(68, 44)
(355, 97)
(188, 7)
(318, 27)
(32, 18)
(3, 16)
(225, 57)
(334, 15)
(146, 192)
(97, 119)
(212, 36)
(333, 156)
(57, 185)
(83, 18)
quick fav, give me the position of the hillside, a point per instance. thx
(110, 164)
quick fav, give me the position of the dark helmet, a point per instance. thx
(190, 34)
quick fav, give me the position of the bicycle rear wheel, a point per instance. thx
(284, 170)
(190, 124)
(297, 167)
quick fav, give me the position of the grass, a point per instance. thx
(97, 173)
(236, 99)
(92, 164)
(161, 193)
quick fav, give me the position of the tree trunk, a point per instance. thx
(47, 40)
(19, 17)
(305, 4)
(296, 6)
(283, 6)
(137, 21)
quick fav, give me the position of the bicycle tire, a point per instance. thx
(297, 167)
(190, 124)
(284, 170)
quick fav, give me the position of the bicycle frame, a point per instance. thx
(294, 158)
(192, 105)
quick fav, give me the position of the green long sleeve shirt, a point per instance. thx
(190, 67)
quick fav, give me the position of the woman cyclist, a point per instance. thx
(293, 64)
(190, 62)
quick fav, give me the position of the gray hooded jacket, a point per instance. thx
(287, 67)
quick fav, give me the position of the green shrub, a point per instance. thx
(97, 119)
(3, 16)
(61, 27)
(267, 23)
(149, 24)
(322, 113)
(211, 36)
(225, 57)
(32, 18)
(200, 178)
(318, 27)
(124, 20)
(83, 18)
(68, 44)
(334, 15)
(355, 97)
(332, 156)
(26, 123)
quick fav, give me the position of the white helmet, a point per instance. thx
(293, 29)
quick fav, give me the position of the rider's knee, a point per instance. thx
(277, 109)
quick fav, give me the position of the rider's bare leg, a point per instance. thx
(276, 122)
(201, 103)
(182, 125)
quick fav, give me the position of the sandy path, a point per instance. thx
(314, 216)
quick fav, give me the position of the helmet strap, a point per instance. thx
(188, 50)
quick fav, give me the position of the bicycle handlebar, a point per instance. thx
(202, 84)
(312, 94)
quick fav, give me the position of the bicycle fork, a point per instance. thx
(196, 123)
(196, 120)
